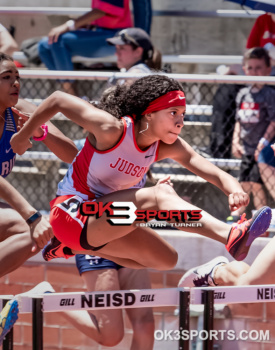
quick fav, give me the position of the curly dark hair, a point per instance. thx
(5, 57)
(134, 99)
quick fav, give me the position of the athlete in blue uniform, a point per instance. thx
(7, 156)
(36, 228)
(23, 231)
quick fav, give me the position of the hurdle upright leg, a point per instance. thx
(37, 323)
(208, 317)
(184, 324)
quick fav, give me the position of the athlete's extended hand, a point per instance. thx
(41, 232)
(273, 147)
(237, 200)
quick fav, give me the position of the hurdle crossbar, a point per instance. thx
(121, 299)
(228, 295)
(58, 302)
(236, 294)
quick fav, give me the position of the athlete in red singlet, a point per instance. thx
(157, 105)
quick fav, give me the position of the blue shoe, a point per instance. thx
(8, 317)
(243, 233)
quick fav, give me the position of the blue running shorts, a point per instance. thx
(85, 262)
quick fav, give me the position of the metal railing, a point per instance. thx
(186, 59)
(78, 11)
(186, 78)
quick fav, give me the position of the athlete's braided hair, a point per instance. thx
(134, 99)
(5, 57)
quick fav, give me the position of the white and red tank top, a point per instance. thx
(94, 173)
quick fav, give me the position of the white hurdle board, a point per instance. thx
(54, 302)
(236, 294)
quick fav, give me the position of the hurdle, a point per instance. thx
(228, 295)
(122, 299)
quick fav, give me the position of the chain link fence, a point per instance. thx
(209, 126)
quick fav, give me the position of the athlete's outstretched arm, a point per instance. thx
(99, 123)
(184, 154)
(63, 147)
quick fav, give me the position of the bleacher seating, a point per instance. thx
(73, 12)
(187, 59)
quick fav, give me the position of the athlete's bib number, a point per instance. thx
(71, 205)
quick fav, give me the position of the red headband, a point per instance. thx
(171, 99)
